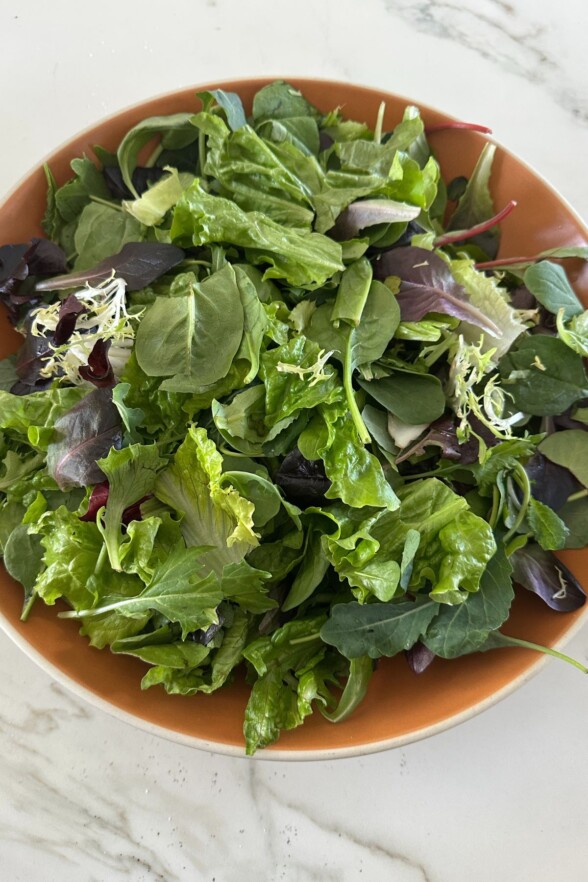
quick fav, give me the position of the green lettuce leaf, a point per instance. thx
(305, 259)
(212, 515)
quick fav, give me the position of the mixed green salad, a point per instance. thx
(280, 410)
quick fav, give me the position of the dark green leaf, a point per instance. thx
(377, 629)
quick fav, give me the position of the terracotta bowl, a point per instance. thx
(400, 707)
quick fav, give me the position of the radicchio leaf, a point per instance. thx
(541, 572)
(551, 484)
(138, 263)
(303, 481)
(419, 657)
(38, 257)
(84, 434)
(99, 498)
(31, 357)
(205, 635)
(142, 179)
(428, 286)
(443, 433)
(69, 311)
(99, 371)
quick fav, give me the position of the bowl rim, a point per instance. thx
(275, 753)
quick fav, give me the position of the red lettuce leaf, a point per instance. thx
(83, 435)
(138, 263)
(99, 370)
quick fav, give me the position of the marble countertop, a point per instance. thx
(86, 798)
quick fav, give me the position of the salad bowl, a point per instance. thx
(400, 707)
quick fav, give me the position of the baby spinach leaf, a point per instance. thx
(23, 559)
(230, 103)
(175, 131)
(415, 398)
(280, 100)
(574, 514)
(568, 448)
(179, 335)
(549, 284)
(458, 630)
(377, 629)
(543, 376)
(102, 231)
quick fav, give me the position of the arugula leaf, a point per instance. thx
(177, 590)
(175, 131)
(549, 530)
(377, 629)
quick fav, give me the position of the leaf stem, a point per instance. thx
(581, 494)
(350, 394)
(456, 124)
(107, 202)
(546, 650)
(522, 480)
(460, 235)
(154, 156)
(27, 607)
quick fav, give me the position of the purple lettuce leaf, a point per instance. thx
(427, 285)
(542, 573)
(419, 657)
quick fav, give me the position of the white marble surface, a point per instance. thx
(85, 798)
